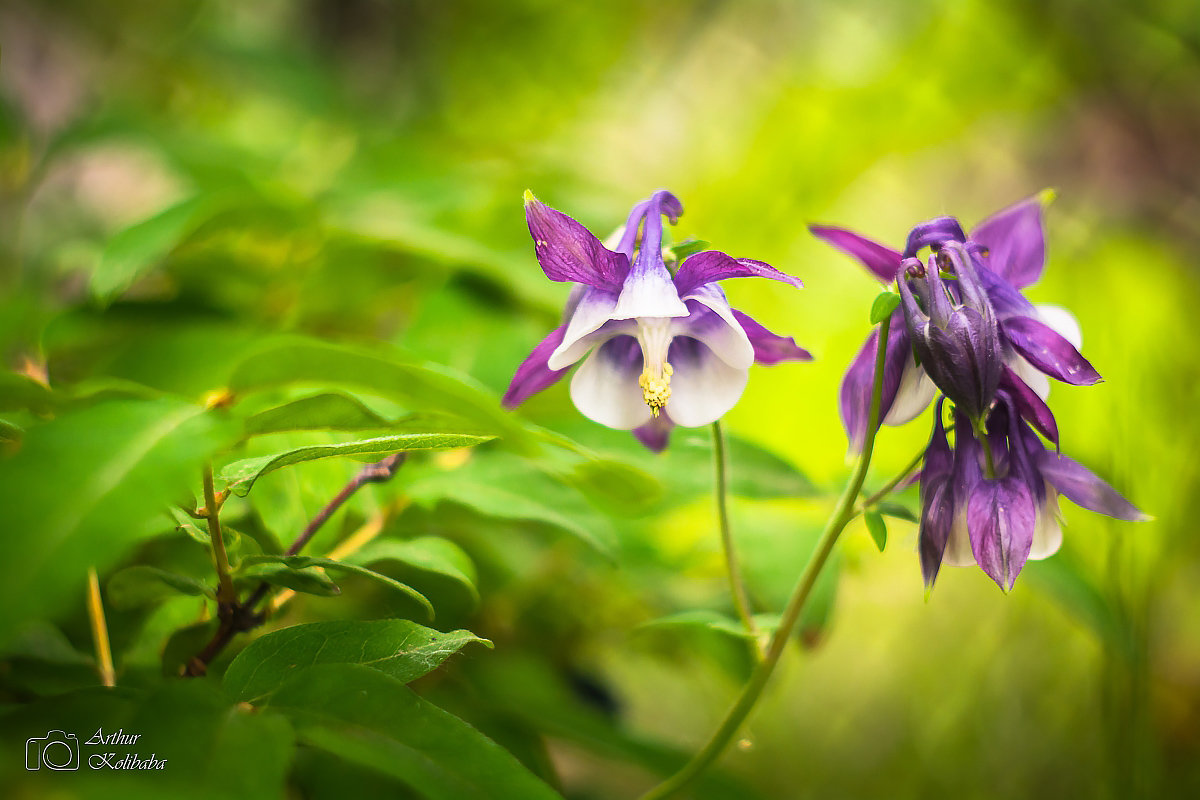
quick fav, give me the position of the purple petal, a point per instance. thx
(605, 387)
(933, 233)
(711, 320)
(656, 433)
(1001, 518)
(703, 387)
(1015, 242)
(1049, 352)
(880, 259)
(1031, 407)
(1083, 488)
(856, 388)
(533, 375)
(567, 251)
(589, 321)
(770, 348)
(937, 501)
(712, 266)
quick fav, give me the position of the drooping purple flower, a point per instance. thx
(1001, 520)
(658, 349)
(1007, 253)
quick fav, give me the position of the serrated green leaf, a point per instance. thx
(876, 527)
(884, 305)
(132, 252)
(398, 648)
(143, 585)
(368, 718)
(303, 562)
(428, 553)
(241, 475)
(86, 485)
(328, 411)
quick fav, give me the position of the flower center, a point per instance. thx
(654, 337)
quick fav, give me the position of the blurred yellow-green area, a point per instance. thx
(181, 180)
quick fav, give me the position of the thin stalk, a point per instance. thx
(842, 515)
(737, 584)
(226, 595)
(104, 662)
(981, 436)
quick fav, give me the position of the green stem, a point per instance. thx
(737, 585)
(226, 595)
(887, 488)
(981, 437)
(843, 513)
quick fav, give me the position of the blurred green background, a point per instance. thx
(179, 181)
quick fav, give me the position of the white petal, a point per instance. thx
(649, 293)
(703, 387)
(915, 393)
(606, 390)
(594, 308)
(1047, 536)
(1063, 322)
(1033, 377)
(958, 546)
(711, 321)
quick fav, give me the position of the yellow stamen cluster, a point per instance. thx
(656, 389)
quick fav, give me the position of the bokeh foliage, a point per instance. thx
(236, 230)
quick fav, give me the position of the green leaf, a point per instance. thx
(308, 580)
(713, 621)
(371, 719)
(88, 484)
(22, 393)
(9, 432)
(615, 486)
(396, 647)
(328, 411)
(302, 562)
(884, 305)
(424, 388)
(144, 585)
(132, 252)
(241, 475)
(876, 527)
(896, 510)
(427, 553)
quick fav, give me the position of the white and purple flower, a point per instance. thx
(658, 349)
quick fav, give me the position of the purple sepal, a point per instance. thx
(1001, 517)
(855, 396)
(656, 433)
(1084, 488)
(1047, 351)
(1030, 406)
(533, 375)
(937, 500)
(934, 233)
(567, 251)
(1015, 242)
(770, 348)
(880, 259)
(712, 265)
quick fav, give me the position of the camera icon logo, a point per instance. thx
(56, 750)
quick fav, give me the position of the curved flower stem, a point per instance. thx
(737, 585)
(843, 513)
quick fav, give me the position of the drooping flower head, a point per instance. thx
(658, 349)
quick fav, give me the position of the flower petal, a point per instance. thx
(647, 290)
(855, 396)
(1048, 351)
(534, 375)
(1063, 323)
(567, 251)
(1029, 404)
(1084, 488)
(711, 266)
(937, 500)
(1015, 242)
(913, 395)
(712, 321)
(605, 387)
(770, 348)
(656, 433)
(1001, 517)
(703, 387)
(1047, 535)
(593, 309)
(880, 259)
(933, 233)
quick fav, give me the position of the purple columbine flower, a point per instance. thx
(1006, 252)
(1000, 521)
(658, 349)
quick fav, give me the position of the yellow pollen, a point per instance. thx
(656, 389)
